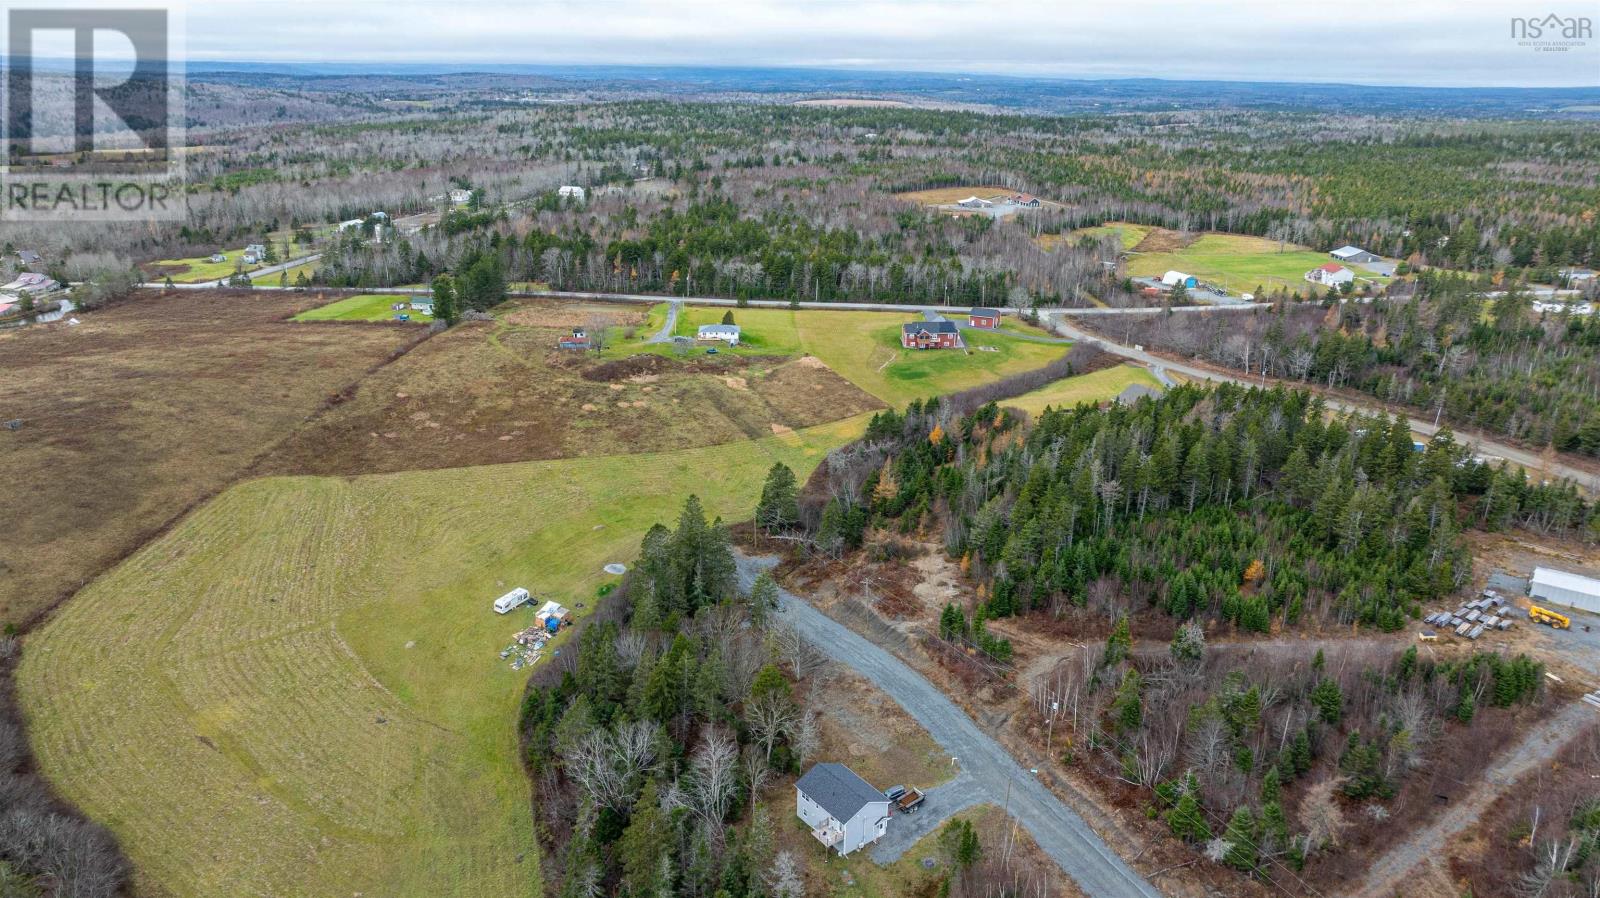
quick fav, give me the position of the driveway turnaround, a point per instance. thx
(1060, 832)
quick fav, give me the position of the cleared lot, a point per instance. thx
(140, 411)
(297, 690)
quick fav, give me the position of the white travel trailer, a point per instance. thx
(510, 600)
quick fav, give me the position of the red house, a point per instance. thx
(988, 319)
(941, 334)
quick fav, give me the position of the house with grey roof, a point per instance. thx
(726, 333)
(940, 334)
(842, 810)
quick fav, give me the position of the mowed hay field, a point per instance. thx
(297, 690)
(864, 348)
(143, 409)
(499, 392)
(943, 196)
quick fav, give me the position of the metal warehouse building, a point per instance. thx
(1562, 588)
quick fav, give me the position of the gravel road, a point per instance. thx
(1062, 834)
(1386, 876)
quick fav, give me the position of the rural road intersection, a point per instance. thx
(991, 773)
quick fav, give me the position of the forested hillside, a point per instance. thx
(1448, 348)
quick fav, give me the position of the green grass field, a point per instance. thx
(199, 268)
(297, 690)
(1130, 234)
(1097, 386)
(1241, 264)
(863, 347)
(365, 307)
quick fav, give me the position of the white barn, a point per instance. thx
(842, 810)
(1563, 588)
(569, 191)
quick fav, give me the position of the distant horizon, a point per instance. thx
(457, 67)
(1370, 43)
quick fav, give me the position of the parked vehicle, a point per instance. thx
(903, 800)
(510, 600)
(1545, 616)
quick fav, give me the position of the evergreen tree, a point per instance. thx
(1186, 819)
(1329, 699)
(1118, 643)
(1241, 838)
(779, 507)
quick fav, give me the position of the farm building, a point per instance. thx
(347, 225)
(421, 304)
(941, 334)
(973, 202)
(1563, 588)
(568, 191)
(217, 258)
(713, 333)
(1330, 275)
(985, 318)
(1176, 278)
(460, 197)
(1354, 254)
(578, 339)
(843, 811)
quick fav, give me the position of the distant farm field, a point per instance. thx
(143, 409)
(498, 392)
(864, 348)
(297, 690)
(365, 307)
(942, 196)
(1097, 386)
(196, 270)
(1130, 235)
(1237, 262)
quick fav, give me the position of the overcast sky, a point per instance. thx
(1421, 42)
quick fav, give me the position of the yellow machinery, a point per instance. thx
(1546, 616)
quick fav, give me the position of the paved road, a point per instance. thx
(1062, 834)
(665, 335)
(1533, 461)
(1537, 746)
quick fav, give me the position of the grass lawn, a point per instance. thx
(863, 347)
(1097, 386)
(365, 307)
(1240, 263)
(197, 269)
(297, 689)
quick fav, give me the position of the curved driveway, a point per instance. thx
(1062, 834)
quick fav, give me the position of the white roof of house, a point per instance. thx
(1173, 277)
(1544, 576)
(708, 330)
(554, 608)
(1346, 251)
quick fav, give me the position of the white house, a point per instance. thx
(1563, 588)
(510, 600)
(460, 196)
(1354, 255)
(420, 304)
(727, 333)
(568, 191)
(347, 225)
(843, 811)
(1330, 275)
(1174, 278)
